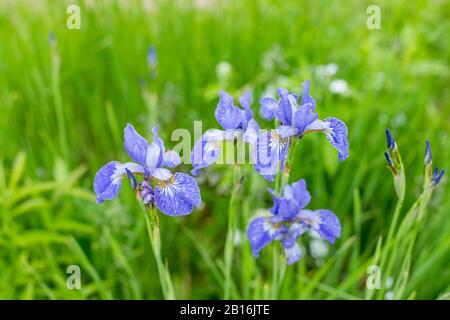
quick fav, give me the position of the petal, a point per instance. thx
(306, 97)
(178, 195)
(287, 131)
(268, 107)
(155, 151)
(252, 132)
(161, 174)
(260, 233)
(245, 101)
(304, 116)
(135, 145)
(293, 253)
(286, 208)
(330, 227)
(228, 115)
(270, 149)
(337, 135)
(300, 193)
(108, 179)
(208, 149)
(171, 159)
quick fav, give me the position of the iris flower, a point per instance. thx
(173, 194)
(289, 220)
(296, 121)
(237, 123)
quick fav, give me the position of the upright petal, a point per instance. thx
(284, 112)
(228, 115)
(304, 116)
(330, 227)
(268, 107)
(177, 195)
(155, 152)
(300, 193)
(252, 132)
(306, 97)
(260, 233)
(108, 179)
(135, 145)
(245, 101)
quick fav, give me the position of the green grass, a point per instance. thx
(60, 122)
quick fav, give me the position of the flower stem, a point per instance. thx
(232, 220)
(152, 222)
(281, 180)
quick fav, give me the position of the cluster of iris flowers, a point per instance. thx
(178, 193)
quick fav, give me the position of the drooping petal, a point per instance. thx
(171, 159)
(330, 227)
(337, 135)
(177, 195)
(293, 253)
(335, 131)
(155, 152)
(208, 149)
(108, 179)
(270, 149)
(260, 233)
(228, 115)
(135, 145)
(268, 107)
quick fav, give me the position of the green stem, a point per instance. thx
(232, 220)
(152, 222)
(281, 180)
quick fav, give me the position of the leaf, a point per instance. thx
(17, 170)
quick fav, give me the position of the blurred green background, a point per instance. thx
(63, 108)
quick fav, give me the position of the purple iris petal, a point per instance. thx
(161, 174)
(299, 193)
(306, 97)
(304, 116)
(108, 179)
(228, 115)
(177, 195)
(208, 148)
(260, 233)
(171, 159)
(337, 135)
(252, 132)
(268, 107)
(287, 131)
(245, 101)
(270, 149)
(330, 227)
(293, 253)
(135, 145)
(155, 152)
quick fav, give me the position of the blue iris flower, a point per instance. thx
(237, 123)
(289, 220)
(296, 121)
(173, 194)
